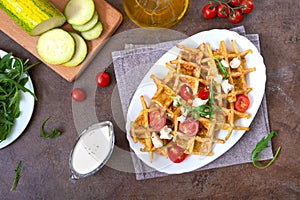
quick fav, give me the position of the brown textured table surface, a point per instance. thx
(45, 170)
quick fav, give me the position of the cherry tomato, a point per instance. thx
(186, 92)
(242, 103)
(203, 93)
(78, 94)
(176, 153)
(156, 121)
(189, 127)
(209, 11)
(222, 10)
(247, 6)
(234, 2)
(102, 79)
(235, 16)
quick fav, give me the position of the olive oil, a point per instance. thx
(155, 13)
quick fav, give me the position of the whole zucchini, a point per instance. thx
(34, 16)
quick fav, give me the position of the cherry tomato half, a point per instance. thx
(203, 93)
(186, 92)
(234, 2)
(242, 103)
(78, 94)
(102, 79)
(156, 121)
(189, 127)
(235, 16)
(176, 153)
(247, 6)
(209, 11)
(222, 10)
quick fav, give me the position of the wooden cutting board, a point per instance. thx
(109, 16)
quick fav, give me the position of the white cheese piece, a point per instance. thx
(156, 141)
(169, 115)
(199, 102)
(183, 115)
(225, 63)
(184, 112)
(235, 63)
(176, 102)
(226, 87)
(218, 78)
(181, 118)
(165, 133)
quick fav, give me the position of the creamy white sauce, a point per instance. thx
(91, 150)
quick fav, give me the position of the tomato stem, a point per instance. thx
(232, 9)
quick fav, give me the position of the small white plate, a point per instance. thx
(255, 80)
(26, 109)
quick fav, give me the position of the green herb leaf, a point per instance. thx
(262, 144)
(203, 110)
(13, 77)
(221, 68)
(17, 176)
(55, 133)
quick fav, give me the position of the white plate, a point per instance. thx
(26, 109)
(255, 80)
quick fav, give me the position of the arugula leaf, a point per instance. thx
(262, 144)
(13, 77)
(205, 110)
(55, 133)
(17, 176)
(221, 68)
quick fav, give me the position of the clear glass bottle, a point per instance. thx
(155, 13)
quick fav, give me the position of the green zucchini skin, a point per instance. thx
(33, 16)
(93, 33)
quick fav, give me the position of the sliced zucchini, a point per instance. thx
(80, 51)
(87, 26)
(93, 33)
(55, 46)
(79, 12)
(34, 16)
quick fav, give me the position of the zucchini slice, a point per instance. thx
(80, 51)
(79, 12)
(33, 16)
(56, 46)
(87, 26)
(93, 33)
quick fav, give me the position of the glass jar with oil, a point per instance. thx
(155, 13)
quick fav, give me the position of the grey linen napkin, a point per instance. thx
(133, 63)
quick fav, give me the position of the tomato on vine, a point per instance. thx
(234, 2)
(247, 6)
(222, 10)
(231, 9)
(235, 16)
(209, 11)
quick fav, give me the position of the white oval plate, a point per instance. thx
(26, 108)
(255, 80)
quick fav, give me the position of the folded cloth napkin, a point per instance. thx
(133, 63)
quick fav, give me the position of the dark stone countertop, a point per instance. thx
(45, 170)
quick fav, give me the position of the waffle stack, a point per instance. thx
(176, 114)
